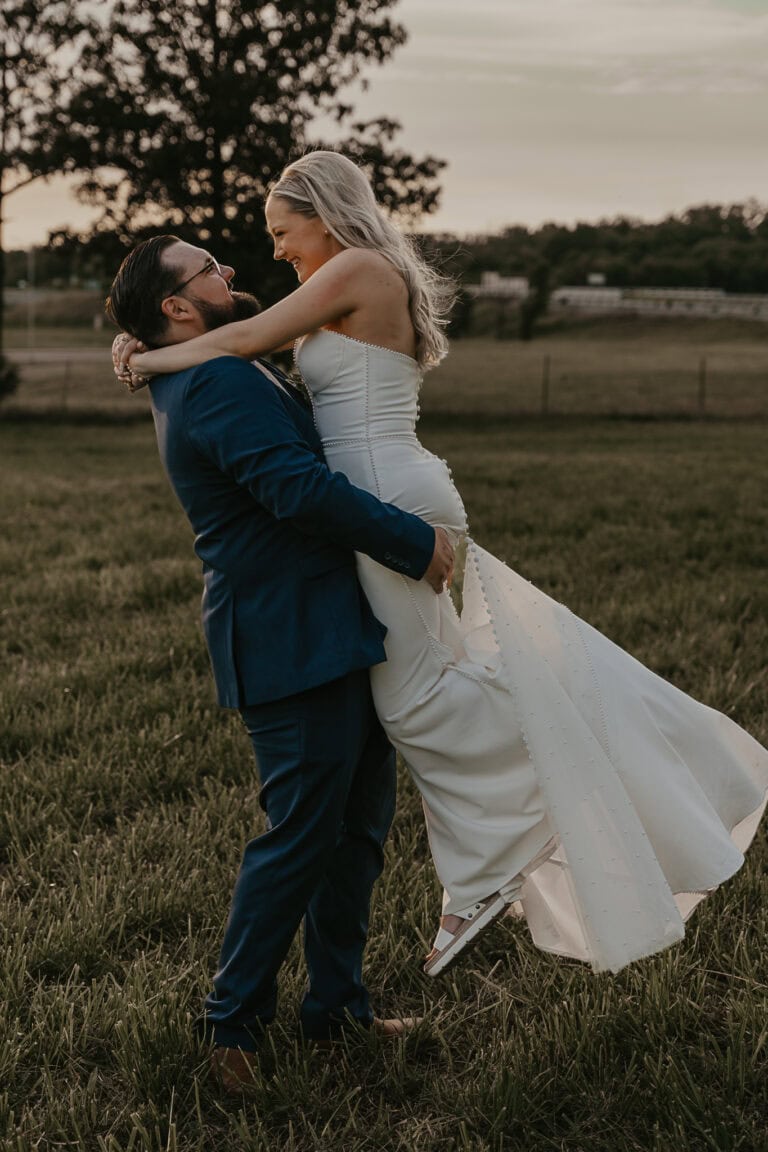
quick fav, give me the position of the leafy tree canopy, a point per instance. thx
(708, 246)
(187, 111)
(36, 41)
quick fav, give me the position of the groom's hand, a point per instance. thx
(439, 574)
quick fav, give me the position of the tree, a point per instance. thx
(34, 37)
(195, 107)
(708, 246)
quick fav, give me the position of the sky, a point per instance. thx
(558, 110)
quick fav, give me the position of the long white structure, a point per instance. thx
(705, 302)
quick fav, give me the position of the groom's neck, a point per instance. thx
(179, 333)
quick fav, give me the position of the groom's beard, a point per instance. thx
(240, 307)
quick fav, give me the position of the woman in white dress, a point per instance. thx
(559, 776)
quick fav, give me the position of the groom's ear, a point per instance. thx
(177, 309)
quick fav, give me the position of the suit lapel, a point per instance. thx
(284, 382)
(295, 401)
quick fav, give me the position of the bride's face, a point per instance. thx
(303, 241)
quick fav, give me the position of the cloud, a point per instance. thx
(558, 109)
(625, 47)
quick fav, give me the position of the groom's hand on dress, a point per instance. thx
(439, 574)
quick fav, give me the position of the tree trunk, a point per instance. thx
(216, 159)
(2, 274)
(9, 377)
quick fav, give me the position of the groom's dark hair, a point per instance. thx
(142, 282)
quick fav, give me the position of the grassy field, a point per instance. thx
(126, 797)
(624, 367)
(619, 367)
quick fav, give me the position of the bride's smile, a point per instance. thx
(302, 241)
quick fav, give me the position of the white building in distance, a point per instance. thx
(596, 299)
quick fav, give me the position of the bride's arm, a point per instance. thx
(334, 290)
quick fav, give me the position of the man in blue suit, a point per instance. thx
(291, 638)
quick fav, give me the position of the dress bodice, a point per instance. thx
(359, 391)
(365, 401)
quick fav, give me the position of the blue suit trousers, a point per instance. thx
(327, 775)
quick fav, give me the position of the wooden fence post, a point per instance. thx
(545, 386)
(65, 383)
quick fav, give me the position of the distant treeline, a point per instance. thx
(705, 247)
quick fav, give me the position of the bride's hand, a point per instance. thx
(123, 347)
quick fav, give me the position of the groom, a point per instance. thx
(291, 638)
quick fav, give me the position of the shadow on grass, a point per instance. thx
(430, 421)
(487, 421)
(73, 417)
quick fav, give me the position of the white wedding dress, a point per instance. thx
(525, 728)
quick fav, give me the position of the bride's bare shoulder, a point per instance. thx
(363, 260)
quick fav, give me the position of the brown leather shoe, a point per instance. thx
(388, 1029)
(233, 1069)
(391, 1029)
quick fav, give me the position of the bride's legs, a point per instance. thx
(461, 928)
(509, 891)
(449, 712)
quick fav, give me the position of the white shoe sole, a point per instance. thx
(469, 931)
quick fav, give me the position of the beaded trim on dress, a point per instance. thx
(362, 343)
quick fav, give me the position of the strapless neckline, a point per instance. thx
(362, 344)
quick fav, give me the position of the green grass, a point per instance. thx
(618, 367)
(21, 339)
(77, 381)
(126, 797)
(640, 368)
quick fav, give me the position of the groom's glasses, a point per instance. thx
(209, 264)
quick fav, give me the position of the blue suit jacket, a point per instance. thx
(275, 530)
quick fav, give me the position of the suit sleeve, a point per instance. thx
(235, 417)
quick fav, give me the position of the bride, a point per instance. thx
(560, 777)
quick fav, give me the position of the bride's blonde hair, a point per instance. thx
(328, 185)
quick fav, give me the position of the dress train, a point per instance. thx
(521, 724)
